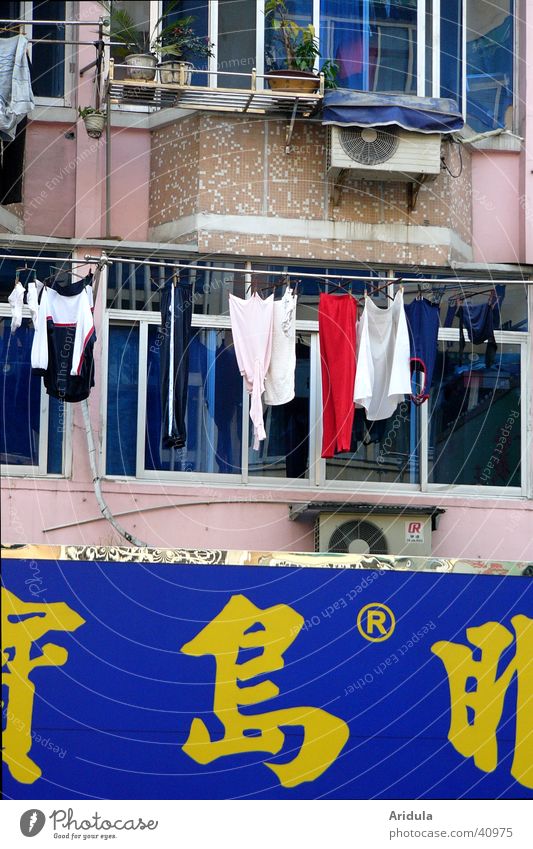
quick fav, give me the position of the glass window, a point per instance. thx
(123, 378)
(21, 397)
(236, 41)
(489, 64)
(214, 407)
(373, 43)
(139, 13)
(198, 11)
(511, 314)
(299, 11)
(21, 418)
(474, 427)
(382, 452)
(47, 60)
(451, 50)
(469, 409)
(285, 451)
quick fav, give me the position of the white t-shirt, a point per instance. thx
(383, 374)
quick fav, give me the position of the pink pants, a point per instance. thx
(337, 315)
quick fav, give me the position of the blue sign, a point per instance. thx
(160, 681)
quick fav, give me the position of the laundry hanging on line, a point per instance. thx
(279, 379)
(383, 376)
(423, 320)
(337, 315)
(176, 316)
(63, 342)
(252, 327)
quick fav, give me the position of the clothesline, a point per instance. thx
(300, 274)
(104, 259)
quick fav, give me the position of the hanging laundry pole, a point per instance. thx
(305, 275)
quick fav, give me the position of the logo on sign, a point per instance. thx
(32, 822)
(376, 622)
(414, 532)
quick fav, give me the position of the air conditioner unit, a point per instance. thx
(363, 533)
(382, 153)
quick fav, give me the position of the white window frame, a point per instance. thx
(40, 470)
(71, 52)
(316, 479)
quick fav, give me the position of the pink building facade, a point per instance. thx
(233, 192)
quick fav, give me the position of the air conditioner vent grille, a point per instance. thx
(347, 532)
(369, 145)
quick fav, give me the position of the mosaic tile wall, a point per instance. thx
(224, 165)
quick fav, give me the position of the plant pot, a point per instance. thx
(308, 85)
(94, 124)
(141, 66)
(142, 73)
(175, 72)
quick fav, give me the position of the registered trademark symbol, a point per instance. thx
(376, 622)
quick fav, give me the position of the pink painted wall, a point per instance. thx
(495, 207)
(481, 529)
(130, 177)
(50, 180)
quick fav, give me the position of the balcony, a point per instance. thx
(253, 98)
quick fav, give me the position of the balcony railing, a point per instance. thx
(254, 97)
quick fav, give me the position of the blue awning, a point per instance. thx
(348, 108)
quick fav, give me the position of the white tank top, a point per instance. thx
(383, 375)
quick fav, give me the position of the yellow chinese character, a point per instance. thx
(242, 625)
(22, 624)
(476, 712)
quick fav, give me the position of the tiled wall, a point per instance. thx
(174, 177)
(227, 166)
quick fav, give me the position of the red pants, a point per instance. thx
(337, 315)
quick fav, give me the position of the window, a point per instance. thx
(446, 443)
(48, 61)
(489, 64)
(33, 427)
(300, 11)
(475, 417)
(373, 43)
(236, 41)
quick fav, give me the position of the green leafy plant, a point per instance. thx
(123, 28)
(299, 43)
(85, 111)
(179, 39)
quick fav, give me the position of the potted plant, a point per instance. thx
(94, 120)
(140, 45)
(301, 52)
(176, 41)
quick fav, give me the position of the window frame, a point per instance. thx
(40, 471)
(71, 52)
(316, 479)
(213, 80)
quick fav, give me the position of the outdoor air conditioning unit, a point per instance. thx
(382, 153)
(363, 533)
